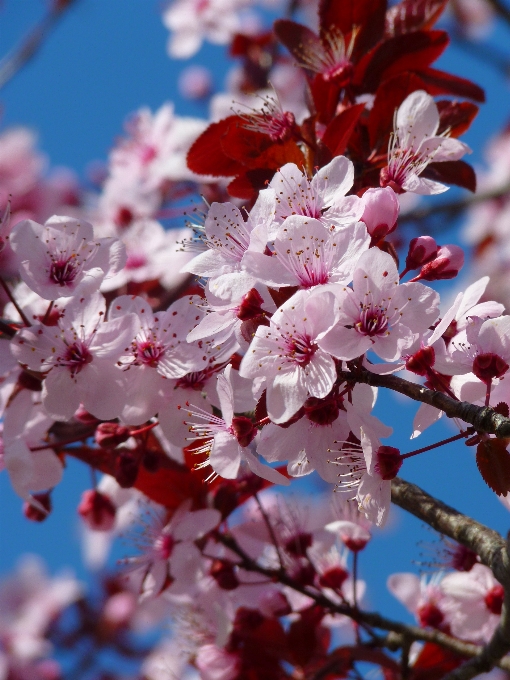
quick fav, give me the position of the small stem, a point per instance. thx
(13, 300)
(263, 421)
(406, 270)
(6, 329)
(455, 438)
(143, 430)
(270, 529)
(488, 392)
(354, 578)
(47, 315)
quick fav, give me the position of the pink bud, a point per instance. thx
(446, 265)
(109, 435)
(422, 249)
(381, 211)
(195, 82)
(97, 510)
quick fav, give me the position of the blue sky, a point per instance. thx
(103, 61)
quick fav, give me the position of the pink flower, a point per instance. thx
(378, 313)
(477, 600)
(307, 255)
(323, 197)
(158, 350)
(62, 258)
(380, 213)
(79, 356)
(415, 143)
(426, 600)
(227, 237)
(288, 356)
(168, 549)
(228, 437)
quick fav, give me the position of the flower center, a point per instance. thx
(494, 599)
(76, 357)
(430, 615)
(149, 352)
(63, 271)
(372, 321)
(164, 545)
(301, 349)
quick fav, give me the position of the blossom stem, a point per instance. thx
(455, 438)
(11, 297)
(143, 430)
(47, 315)
(262, 421)
(270, 529)
(488, 392)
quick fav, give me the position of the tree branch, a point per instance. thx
(482, 418)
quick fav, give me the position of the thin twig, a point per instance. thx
(270, 529)
(482, 418)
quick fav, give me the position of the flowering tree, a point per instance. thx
(202, 369)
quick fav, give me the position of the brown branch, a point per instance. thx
(482, 418)
(32, 42)
(406, 632)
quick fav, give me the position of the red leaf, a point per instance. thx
(439, 82)
(344, 15)
(452, 172)
(206, 156)
(413, 15)
(302, 635)
(338, 132)
(387, 99)
(297, 39)
(434, 662)
(248, 184)
(493, 461)
(404, 53)
(171, 487)
(456, 116)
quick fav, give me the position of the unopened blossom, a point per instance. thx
(157, 351)
(322, 197)
(415, 143)
(227, 238)
(227, 438)
(378, 313)
(288, 356)
(62, 258)
(79, 358)
(381, 209)
(307, 255)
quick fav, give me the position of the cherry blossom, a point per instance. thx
(415, 143)
(288, 356)
(158, 351)
(62, 258)
(378, 313)
(227, 237)
(228, 437)
(425, 598)
(306, 255)
(79, 356)
(168, 550)
(322, 197)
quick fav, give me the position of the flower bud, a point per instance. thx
(38, 514)
(494, 599)
(381, 212)
(126, 468)
(488, 366)
(422, 249)
(446, 265)
(422, 361)
(389, 462)
(110, 435)
(224, 574)
(334, 578)
(97, 510)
